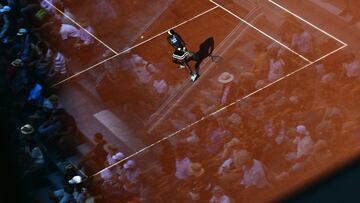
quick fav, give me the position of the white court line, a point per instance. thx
(302, 19)
(83, 71)
(262, 32)
(133, 47)
(72, 20)
(217, 111)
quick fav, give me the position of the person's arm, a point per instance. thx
(5, 26)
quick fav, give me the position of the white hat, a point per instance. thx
(301, 129)
(21, 31)
(196, 169)
(75, 180)
(118, 156)
(27, 129)
(193, 139)
(5, 9)
(225, 77)
(130, 164)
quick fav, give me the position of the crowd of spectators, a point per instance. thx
(36, 43)
(293, 131)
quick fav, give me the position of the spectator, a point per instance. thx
(219, 196)
(254, 174)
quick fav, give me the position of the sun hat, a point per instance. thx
(17, 63)
(27, 129)
(196, 169)
(21, 31)
(130, 164)
(75, 180)
(225, 77)
(5, 9)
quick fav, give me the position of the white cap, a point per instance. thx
(118, 156)
(5, 9)
(130, 164)
(301, 129)
(75, 180)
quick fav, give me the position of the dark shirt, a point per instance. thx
(176, 41)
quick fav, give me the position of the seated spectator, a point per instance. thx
(33, 159)
(304, 141)
(182, 165)
(219, 196)
(131, 178)
(253, 174)
(302, 42)
(58, 68)
(351, 66)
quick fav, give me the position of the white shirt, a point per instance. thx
(160, 86)
(254, 175)
(352, 69)
(182, 168)
(67, 31)
(304, 145)
(276, 69)
(222, 199)
(302, 42)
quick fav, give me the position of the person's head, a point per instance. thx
(217, 191)
(98, 137)
(41, 47)
(130, 165)
(171, 32)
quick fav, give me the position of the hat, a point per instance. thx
(75, 180)
(196, 169)
(301, 129)
(17, 63)
(27, 129)
(21, 31)
(110, 148)
(130, 164)
(225, 77)
(118, 156)
(193, 139)
(5, 9)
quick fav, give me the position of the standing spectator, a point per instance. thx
(302, 42)
(95, 159)
(254, 174)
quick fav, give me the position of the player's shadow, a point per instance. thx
(205, 50)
